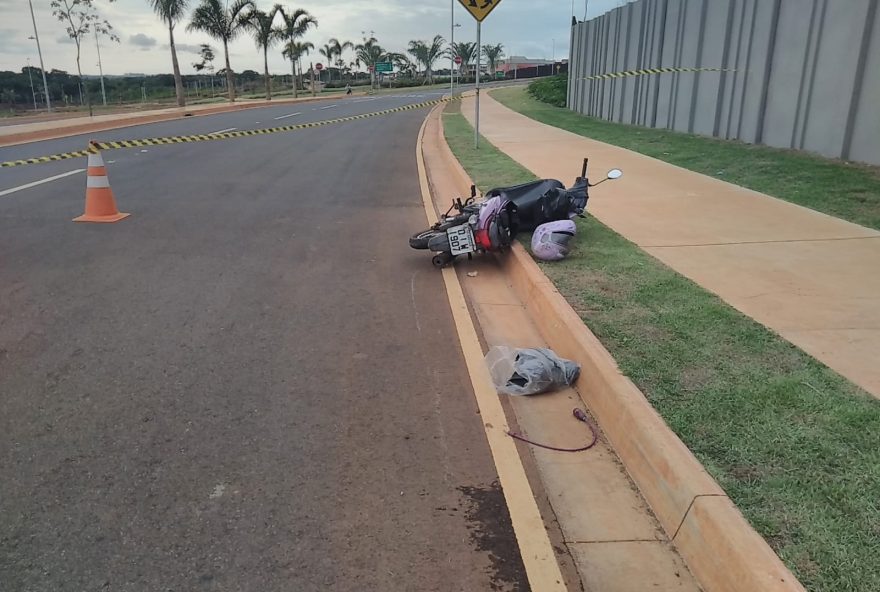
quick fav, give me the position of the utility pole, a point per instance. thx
(477, 106)
(40, 53)
(31, 79)
(100, 69)
(451, 45)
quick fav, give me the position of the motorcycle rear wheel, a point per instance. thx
(420, 239)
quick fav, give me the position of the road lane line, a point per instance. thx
(40, 182)
(223, 131)
(328, 107)
(536, 550)
(288, 115)
(365, 100)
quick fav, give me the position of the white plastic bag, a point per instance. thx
(529, 371)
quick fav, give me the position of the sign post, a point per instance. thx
(479, 9)
(384, 68)
(312, 78)
(477, 108)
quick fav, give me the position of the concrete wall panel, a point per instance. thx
(798, 73)
(688, 58)
(715, 37)
(865, 145)
(755, 64)
(829, 106)
(787, 69)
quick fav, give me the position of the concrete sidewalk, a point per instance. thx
(808, 276)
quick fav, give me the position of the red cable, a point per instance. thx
(579, 415)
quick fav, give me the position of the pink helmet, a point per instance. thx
(550, 242)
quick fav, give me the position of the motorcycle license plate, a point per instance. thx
(461, 240)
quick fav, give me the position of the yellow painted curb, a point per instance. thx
(534, 544)
(720, 547)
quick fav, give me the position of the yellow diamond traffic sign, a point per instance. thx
(480, 9)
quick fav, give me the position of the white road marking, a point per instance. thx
(288, 115)
(328, 107)
(223, 131)
(40, 182)
(365, 100)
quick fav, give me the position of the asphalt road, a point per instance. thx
(252, 383)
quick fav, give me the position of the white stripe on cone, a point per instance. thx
(95, 159)
(98, 182)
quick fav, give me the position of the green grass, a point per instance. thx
(795, 445)
(845, 190)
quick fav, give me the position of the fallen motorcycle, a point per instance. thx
(470, 226)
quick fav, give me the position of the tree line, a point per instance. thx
(279, 26)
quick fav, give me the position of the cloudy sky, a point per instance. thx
(525, 27)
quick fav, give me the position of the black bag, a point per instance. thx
(544, 201)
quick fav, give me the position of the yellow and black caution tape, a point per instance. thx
(216, 136)
(649, 71)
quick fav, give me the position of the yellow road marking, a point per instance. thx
(223, 135)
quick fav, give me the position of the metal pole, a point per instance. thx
(451, 44)
(100, 69)
(40, 52)
(477, 108)
(31, 79)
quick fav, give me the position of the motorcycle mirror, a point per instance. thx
(615, 174)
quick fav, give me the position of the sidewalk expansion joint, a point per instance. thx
(617, 541)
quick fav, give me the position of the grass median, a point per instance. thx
(845, 190)
(796, 446)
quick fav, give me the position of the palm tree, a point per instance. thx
(293, 51)
(171, 11)
(428, 54)
(435, 51)
(327, 52)
(419, 51)
(493, 53)
(295, 24)
(369, 53)
(467, 51)
(403, 64)
(265, 34)
(223, 24)
(333, 49)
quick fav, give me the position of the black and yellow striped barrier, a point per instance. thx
(649, 71)
(216, 136)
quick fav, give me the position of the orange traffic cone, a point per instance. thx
(100, 205)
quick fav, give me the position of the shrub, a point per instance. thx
(553, 89)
